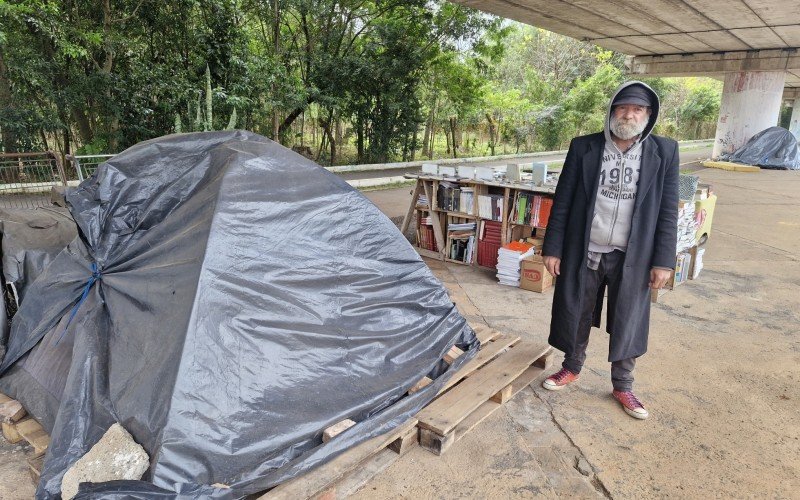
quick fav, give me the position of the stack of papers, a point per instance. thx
(508, 262)
(687, 227)
(467, 226)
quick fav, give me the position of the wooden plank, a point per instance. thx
(502, 395)
(317, 480)
(424, 252)
(357, 479)
(656, 293)
(435, 221)
(484, 333)
(494, 344)
(486, 354)
(4, 398)
(546, 361)
(438, 444)
(35, 465)
(453, 354)
(424, 382)
(10, 433)
(435, 443)
(405, 442)
(451, 408)
(12, 411)
(504, 238)
(727, 165)
(34, 434)
(411, 207)
(336, 429)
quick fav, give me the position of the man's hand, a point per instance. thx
(659, 277)
(553, 264)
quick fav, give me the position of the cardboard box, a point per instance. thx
(704, 214)
(534, 276)
(537, 243)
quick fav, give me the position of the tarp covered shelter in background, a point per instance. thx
(774, 147)
(29, 240)
(225, 301)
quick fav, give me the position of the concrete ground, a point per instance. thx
(720, 379)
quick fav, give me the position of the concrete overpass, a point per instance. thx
(752, 45)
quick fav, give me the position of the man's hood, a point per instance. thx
(653, 109)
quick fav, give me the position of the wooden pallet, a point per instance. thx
(501, 369)
(351, 470)
(347, 471)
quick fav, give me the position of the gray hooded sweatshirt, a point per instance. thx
(618, 184)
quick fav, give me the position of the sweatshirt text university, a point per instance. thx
(616, 197)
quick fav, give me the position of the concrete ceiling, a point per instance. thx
(663, 27)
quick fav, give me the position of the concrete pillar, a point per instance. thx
(751, 102)
(794, 121)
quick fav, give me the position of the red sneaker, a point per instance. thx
(559, 380)
(631, 404)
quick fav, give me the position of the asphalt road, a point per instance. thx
(692, 154)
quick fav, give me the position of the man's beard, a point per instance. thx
(627, 129)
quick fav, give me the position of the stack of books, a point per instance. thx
(490, 207)
(422, 201)
(449, 197)
(508, 262)
(425, 236)
(682, 265)
(461, 238)
(462, 247)
(466, 199)
(489, 242)
(532, 210)
(466, 226)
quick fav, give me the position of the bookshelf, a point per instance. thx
(466, 221)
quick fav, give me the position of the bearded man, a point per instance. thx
(613, 225)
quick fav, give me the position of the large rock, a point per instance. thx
(115, 456)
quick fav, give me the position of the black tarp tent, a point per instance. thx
(774, 147)
(29, 240)
(225, 301)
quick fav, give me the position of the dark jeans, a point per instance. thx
(610, 269)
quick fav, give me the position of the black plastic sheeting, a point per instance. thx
(30, 239)
(774, 147)
(225, 301)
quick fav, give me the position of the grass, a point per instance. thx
(695, 147)
(393, 185)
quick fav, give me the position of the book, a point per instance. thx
(508, 262)
(490, 207)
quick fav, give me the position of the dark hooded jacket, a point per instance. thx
(652, 240)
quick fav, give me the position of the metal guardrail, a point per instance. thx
(27, 178)
(85, 165)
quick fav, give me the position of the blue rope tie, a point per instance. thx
(96, 275)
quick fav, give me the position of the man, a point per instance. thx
(613, 225)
